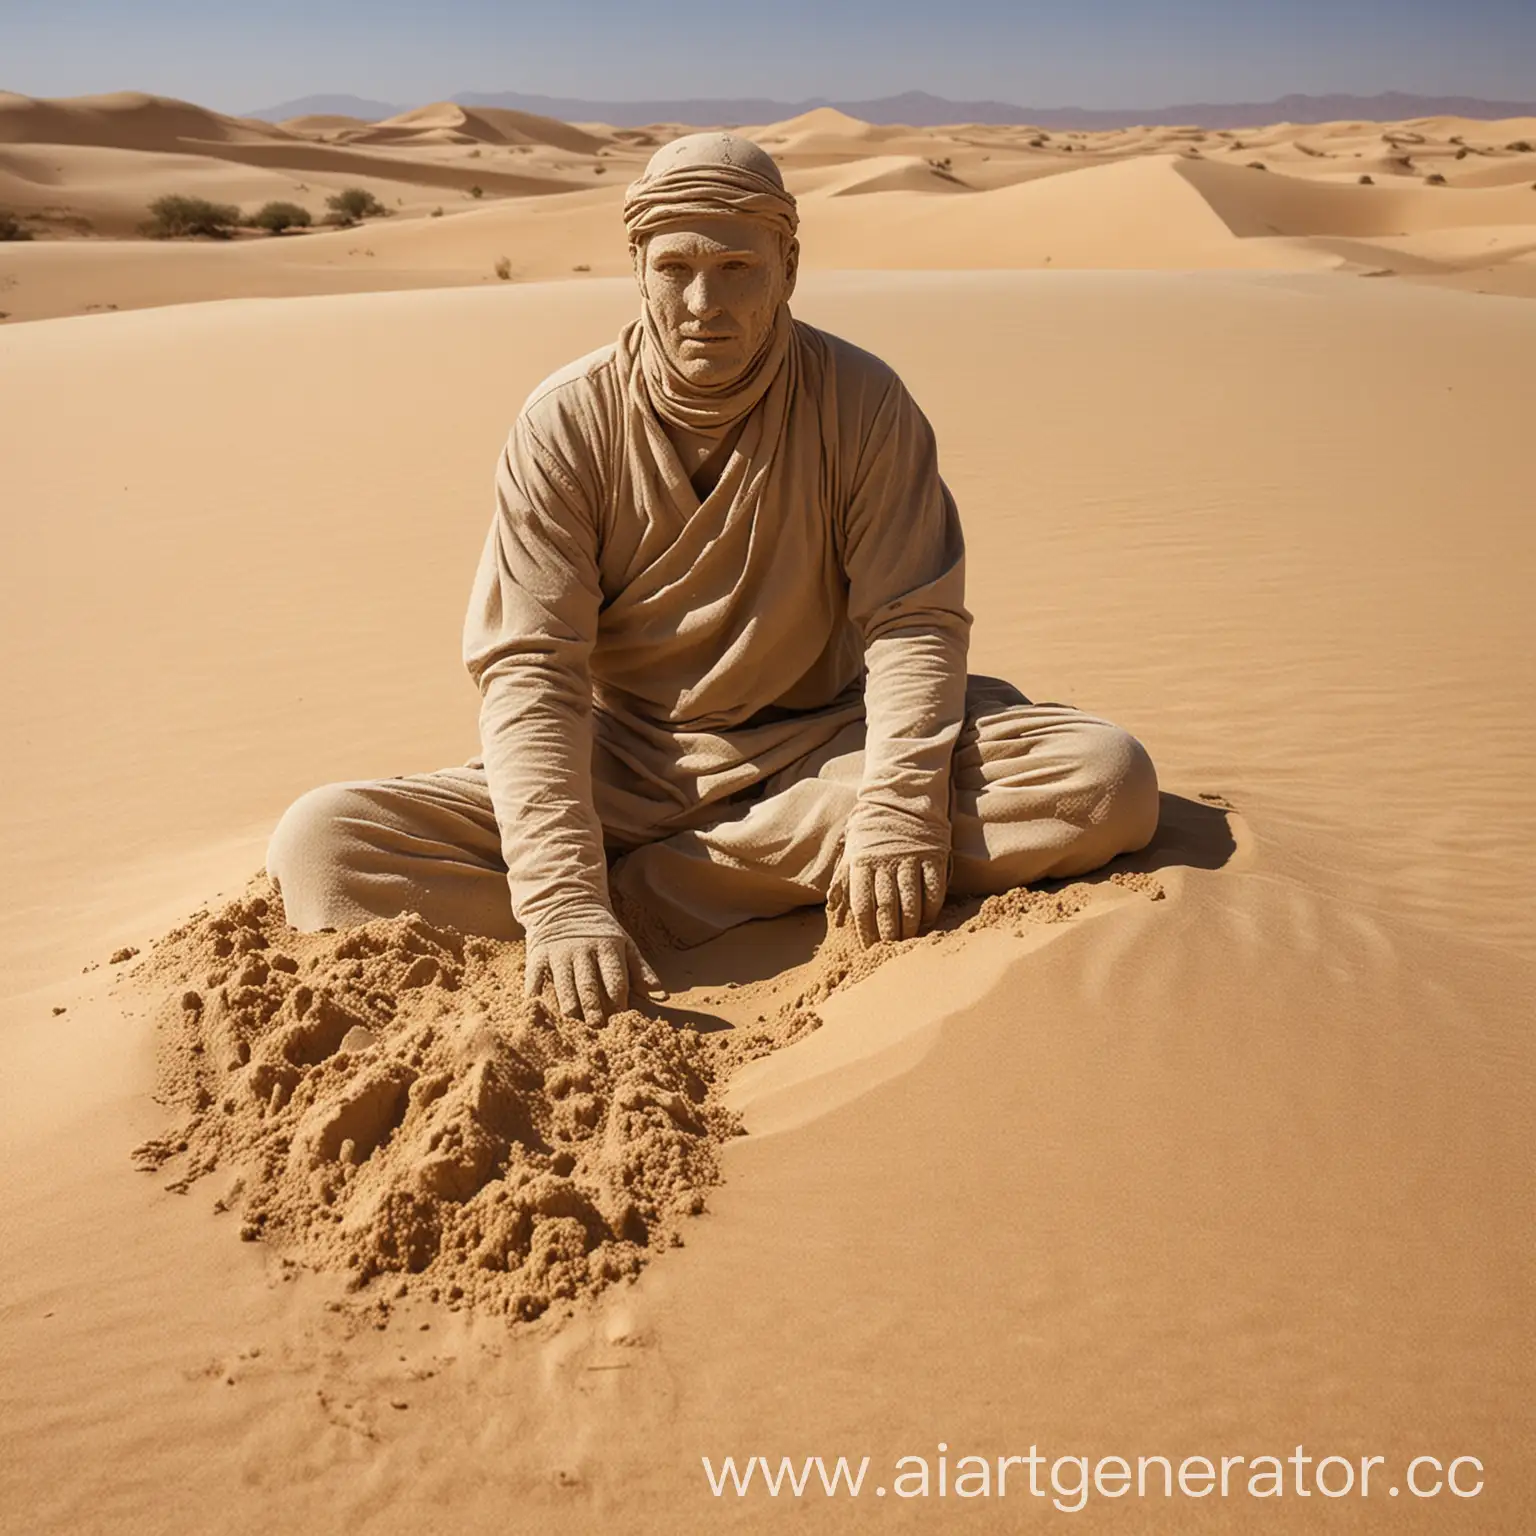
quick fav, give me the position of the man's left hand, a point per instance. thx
(888, 896)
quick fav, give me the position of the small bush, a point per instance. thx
(171, 216)
(437, 213)
(336, 219)
(276, 217)
(503, 268)
(1367, 181)
(581, 267)
(477, 191)
(11, 228)
(1437, 180)
(474, 154)
(1520, 147)
(356, 203)
(1257, 165)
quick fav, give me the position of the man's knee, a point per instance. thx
(310, 852)
(1125, 795)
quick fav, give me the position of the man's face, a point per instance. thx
(713, 287)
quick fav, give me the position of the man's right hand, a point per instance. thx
(593, 976)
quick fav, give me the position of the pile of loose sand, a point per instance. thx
(385, 1101)
(389, 1103)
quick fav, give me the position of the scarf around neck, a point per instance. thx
(710, 410)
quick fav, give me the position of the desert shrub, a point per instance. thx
(474, 154)
(356, 203)
(1257, 165)
(1462, 153)
(477, 191)
(11, 228)
(437, 213)
(1520, 146)
(503, 268)
(276, 217)
(1436, 180)
(581, 266)
(1367, 181)
(172, 215)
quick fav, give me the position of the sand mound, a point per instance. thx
(1134, 212)
(892, 173)
(486, 125)
(1255, 203)
(322, 122)
(391, 1105)
(125, 120)
(822, 121)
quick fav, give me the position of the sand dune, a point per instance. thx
(108, 191)
(492, 125)
(1253, 203)
(1216, 1173)
(103, 159)
(1137, 212)
(478, 188)
(322, 122)
(125, 120)
(878, 173)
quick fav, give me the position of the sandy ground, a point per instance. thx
(1214, 1174)
(1449, 202)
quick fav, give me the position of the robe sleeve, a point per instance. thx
(904, 560)
(528, 638)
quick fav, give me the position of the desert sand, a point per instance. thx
(80, 174)
(1222, 1151)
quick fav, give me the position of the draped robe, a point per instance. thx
(647, 658)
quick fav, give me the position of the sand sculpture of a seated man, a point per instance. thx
(720, 634)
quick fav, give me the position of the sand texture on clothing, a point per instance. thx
(480, 195)
(1221, 1150)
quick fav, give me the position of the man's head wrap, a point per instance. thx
(707, 175)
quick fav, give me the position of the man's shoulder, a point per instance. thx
(571, 394)
(861, 380)
(840, 353)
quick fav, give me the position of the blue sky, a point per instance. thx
(1095, 53)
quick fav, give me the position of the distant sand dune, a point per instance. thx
(881, 173)
(125, 120)
(494, 125)
(477, 188)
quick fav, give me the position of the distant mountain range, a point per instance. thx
(921, 110)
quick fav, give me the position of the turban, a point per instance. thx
(693, 191)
